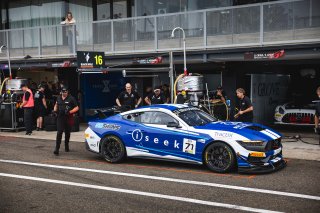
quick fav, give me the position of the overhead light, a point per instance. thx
(159, 2)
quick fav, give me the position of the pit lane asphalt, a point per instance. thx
(20, 195)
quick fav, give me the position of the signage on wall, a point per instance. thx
(63, 64)
(156, 60)
(87, 60)
(270, 55)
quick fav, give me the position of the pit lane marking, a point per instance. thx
(154, 168)
(190, 182)
(141, 193)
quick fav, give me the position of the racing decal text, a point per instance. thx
(107, 126)
(138, 136)
(223, 134)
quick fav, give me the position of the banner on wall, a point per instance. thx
(266, 55)
(100, 91)
(156, 60)
(267, 92)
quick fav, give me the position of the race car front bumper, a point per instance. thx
(273, 161)
(271, 167)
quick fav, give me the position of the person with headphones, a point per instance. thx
(245, 108)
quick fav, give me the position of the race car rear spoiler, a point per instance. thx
(103, 113)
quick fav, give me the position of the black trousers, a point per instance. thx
(28, 118)
(63, 125)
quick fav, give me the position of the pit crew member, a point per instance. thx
(128, 98)
(157, 97)
(65, 107)
(245, 113)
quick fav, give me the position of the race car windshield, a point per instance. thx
(196, 117)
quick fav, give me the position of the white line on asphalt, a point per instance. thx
(148, 194)
(266, 191)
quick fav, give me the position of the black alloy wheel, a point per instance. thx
(219, 157)
(112, 149)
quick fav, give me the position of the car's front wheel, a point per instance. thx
(112, 149)
(219, 157)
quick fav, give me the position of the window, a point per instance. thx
(159, 118)
(119, 9)
(195, 117)
(103, 9)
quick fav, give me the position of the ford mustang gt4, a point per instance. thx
(185, 134)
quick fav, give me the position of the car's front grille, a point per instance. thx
(256, 160)
(299, 118)
(261, 161)
(273, 145)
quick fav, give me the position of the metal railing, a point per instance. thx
(274, 23)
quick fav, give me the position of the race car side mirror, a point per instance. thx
(173, 124)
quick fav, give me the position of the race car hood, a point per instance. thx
(252, 131)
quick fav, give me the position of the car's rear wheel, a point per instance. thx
(219, 157)
(112, 149)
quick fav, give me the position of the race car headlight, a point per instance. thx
(252, 145)
(281, 110)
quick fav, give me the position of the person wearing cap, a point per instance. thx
(157, 97)
(128, 98)
(219, 94)
(65, 107)
(40, 106)
(245, 108)
(27, 105)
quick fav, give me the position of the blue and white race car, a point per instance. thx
(185, 134)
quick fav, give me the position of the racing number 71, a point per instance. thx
(188, 145)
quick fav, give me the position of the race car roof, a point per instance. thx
(170, 107)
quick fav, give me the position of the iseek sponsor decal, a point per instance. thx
(189, 146)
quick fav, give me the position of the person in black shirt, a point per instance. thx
(219, 94)
(245, 113)
(65, 107)
(317, 114)
(40, 106)
(148, 92)
(166, 92)
(182, 97)
(128, 99)
(157, 97)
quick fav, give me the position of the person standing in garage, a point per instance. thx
(128, 99)
(157, 97)
(245, 113)
(40, 106)
(66, 106)
(317, 114)
(27, 105)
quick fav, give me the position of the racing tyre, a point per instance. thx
(112, 149)
(219, 157)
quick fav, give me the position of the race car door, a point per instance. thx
(166, 142)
